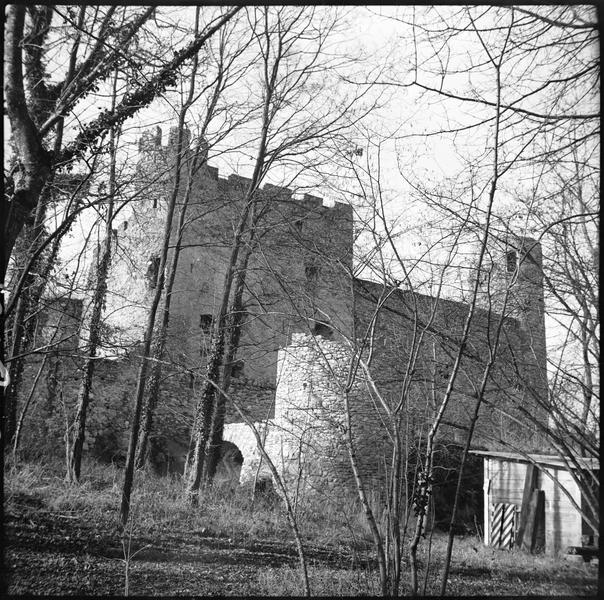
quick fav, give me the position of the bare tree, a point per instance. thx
(36, 116)
(227, 71)
(545, 117)
(287, 130)
(180, 157)
(99, 274)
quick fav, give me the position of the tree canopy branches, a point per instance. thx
(34, 162)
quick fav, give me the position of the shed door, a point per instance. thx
(503, 525)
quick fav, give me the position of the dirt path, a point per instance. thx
(48, 552)
(68, 553)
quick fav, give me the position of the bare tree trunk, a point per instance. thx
(20, 340)
(480, 396)
(24, 319)
(234, 324)
(206, 408)
(35, 162)
(142, 375)
(378, 542)
(30, 293)
(74, 461)
(425, 491)
(26, 404)
(159, 345)
(151, 399)
(153, 387)
(146, 350)
(394, 516)
(375, 532)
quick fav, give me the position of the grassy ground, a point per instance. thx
(62, 539)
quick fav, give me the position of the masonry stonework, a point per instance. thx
(303, 310)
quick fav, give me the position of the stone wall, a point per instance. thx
(307, 439)
(296, 275)
(290, 285)
(417, 339)
(301, 307)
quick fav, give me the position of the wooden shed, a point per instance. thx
(527, 504)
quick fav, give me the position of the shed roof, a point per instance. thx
(552, 460)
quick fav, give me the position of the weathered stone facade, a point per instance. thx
(307, 437)
(305, 318)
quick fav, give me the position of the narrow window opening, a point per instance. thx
(511, 261)
(154, 202)
(152, 274)
(205, 322)
(191, 268)
(125, 225)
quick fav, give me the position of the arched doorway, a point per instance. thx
(228, 470)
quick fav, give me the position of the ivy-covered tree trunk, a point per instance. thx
(78, 427)
(34, 274)
(233, 332)
(133, 455)
(206, 405)
(159, 345)
(199, 157)
(35, 163)
(22, 331)
(147, 343)
(205, 411)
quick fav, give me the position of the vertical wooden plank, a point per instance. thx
(535, 522)
(563, 520)
(589, 536)
(525, 540)
(486, 487)
(538, 541)
(507, 526)
(530, 483)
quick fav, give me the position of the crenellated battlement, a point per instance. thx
(151, 140)
(150, 147)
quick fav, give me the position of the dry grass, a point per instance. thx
(337, 539)
(324, 581)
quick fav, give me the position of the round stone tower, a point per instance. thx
(511, 284)
(309, 444)
(514, 267)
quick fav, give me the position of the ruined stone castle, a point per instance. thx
(307, 321)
